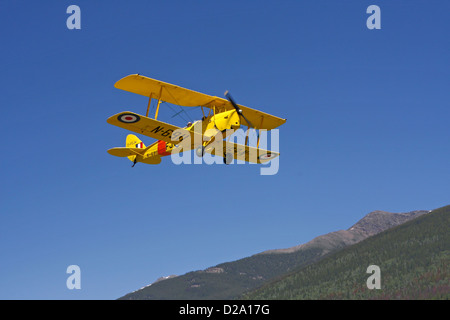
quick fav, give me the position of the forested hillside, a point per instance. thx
(413, 258)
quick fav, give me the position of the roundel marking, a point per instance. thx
(128, 118)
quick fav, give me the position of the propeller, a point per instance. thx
(238, 110)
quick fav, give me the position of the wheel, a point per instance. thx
(200, 151)
(228, 158)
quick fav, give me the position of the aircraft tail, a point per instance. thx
(135, 150)
(134, 142)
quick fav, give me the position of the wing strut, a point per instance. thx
(149, 102)
(259, 131)
(159, 102)
(246, 136)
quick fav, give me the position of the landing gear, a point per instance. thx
(134, 162)
(200, 151)
(228, 158)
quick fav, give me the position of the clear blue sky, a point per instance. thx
(368, 129)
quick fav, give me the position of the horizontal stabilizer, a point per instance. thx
(127, 152)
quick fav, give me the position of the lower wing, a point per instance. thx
(241, 152)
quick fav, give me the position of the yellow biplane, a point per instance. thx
(205, 135)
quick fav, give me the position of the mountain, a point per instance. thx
(373, 223)
(231, 279)
(413, 260)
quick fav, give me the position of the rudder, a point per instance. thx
(133, 142)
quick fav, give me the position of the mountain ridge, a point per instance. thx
(371, 224)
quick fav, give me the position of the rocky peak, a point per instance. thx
(378, 221)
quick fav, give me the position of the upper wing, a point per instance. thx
(241, 152)
(154, 128)
(184, 97)
(162, 90)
